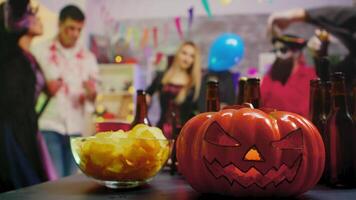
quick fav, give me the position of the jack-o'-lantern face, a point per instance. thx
(250, 152)
(247, 163)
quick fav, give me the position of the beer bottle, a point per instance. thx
(317, 109)
(141, 109)
(339, 143)
(212, 96)
(317, 106)
(240, 95)
(354, 101)
(252, 92)
(320, 61)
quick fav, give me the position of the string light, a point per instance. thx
(118, 59)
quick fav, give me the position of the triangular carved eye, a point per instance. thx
(293, 140)
(217, 136)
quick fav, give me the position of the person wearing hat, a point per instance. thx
(339, 21)
(286, 84)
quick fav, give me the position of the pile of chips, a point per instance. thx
(134, 155)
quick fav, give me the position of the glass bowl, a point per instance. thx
(120, 162)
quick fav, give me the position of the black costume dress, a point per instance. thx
(20, 156)
(171, 112)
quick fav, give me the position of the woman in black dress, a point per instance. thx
(21, 81)
(178, 88)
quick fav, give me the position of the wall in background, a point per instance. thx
(138, 9)
(244, 17)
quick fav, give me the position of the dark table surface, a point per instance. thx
(163, 187)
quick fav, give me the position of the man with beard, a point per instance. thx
(286, 85)
(340, 21)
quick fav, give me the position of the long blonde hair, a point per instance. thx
(194, 73)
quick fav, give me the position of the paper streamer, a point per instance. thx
(144, 39)
(207, 7)
(190, 19)
(136, 36)
(129, 34)
(225, 2)
(122, 31)
(179, 27)
(190, 16)
(155, 37)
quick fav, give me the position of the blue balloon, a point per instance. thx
(226, 51)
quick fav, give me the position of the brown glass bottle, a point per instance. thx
(240, 95)
(339, 142)
(324, 75)
(320, 56)
(212, 96)
(141, 109)
(252, 92)
(317, 106)
(354, 103)
(317, 110)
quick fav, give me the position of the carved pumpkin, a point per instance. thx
(250, 152)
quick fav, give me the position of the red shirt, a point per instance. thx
(291, 97)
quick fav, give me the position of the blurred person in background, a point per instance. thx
(286, 85)
(64, 59)
(340, 21)
(22, 158)
(178, 88)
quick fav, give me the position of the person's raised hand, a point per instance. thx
(279, 21)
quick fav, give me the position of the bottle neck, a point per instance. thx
(316, 101)
(212, 98)
(354, 102)
(338, 96)
(240, 96)
(252, 94)
(141, 110)
(326, 96)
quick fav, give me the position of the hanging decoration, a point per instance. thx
(129, 34)
(190, 20)
(179, 27)
(225, 2)
(136, 37)
(207, 7)
(144, 39)
(155, 37)
(122, 31)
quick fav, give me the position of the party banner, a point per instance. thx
(155, 37)
(207, 7)
(145, 38)
(190, 19)
(179, 27)
(225, 2)
(129, 34)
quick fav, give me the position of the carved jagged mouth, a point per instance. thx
(232, 174)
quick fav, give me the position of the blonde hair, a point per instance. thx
(194, 73)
